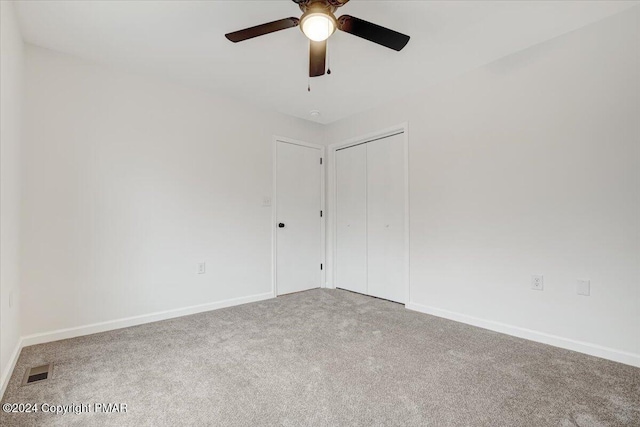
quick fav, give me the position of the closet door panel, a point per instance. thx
(385, 218)
(351, 219)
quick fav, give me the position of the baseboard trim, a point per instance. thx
(8, 370)
(110, 325)
(541, 337)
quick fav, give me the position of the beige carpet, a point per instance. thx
(325, 358)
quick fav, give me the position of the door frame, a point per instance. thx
(274, 210)
(333, 193)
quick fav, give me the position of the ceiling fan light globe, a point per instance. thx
(318, 26)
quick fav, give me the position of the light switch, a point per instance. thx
(584, 287)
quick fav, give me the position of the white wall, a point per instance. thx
(129, 183)
(526, 166)
(530, 165)
(11, 76)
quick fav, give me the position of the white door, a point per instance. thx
(298, 205)
(351, 218)
(385, 218)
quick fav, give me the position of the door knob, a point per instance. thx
(281, 225)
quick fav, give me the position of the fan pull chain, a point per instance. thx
(309, 78)
(328, 52)
(328, 59)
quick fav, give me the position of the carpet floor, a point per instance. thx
(323, 358)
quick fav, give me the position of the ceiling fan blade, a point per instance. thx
(261, 30)
(372, 32)
(317, 57)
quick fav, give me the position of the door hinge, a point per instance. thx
(320, 160)
(320, 266)
(320, 214)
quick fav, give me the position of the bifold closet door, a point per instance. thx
(385, 218)
(351, 219)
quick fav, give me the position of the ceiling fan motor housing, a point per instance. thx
(332, 5)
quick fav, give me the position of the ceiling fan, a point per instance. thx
(318, 23)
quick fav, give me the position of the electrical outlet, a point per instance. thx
(266, 201)
(584, 287)
(537, 282)
(202, 268)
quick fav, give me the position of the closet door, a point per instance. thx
(385, 217)
(351, 219)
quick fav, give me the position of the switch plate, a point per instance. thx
(266, 201)
(584, 287)
(202, 268)
(537, 282)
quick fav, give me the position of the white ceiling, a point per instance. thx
(185, 40)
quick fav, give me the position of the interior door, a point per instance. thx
(351, 218)
(298, 205)
(385, 218)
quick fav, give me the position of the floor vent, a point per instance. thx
(37, 374)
